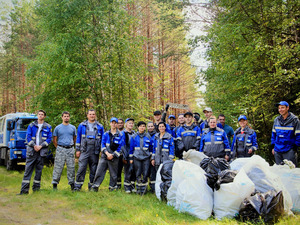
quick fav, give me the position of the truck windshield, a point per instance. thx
(22, 124)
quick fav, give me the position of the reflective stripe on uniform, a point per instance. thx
(165, 150)
(179, 138)
(77, 144)
(208, 143)
(44, 138)
(83, 135)
(198, 137)
(137, 148)
(218, 142)
(117, 153)
(227, 150)
(171, 156)
(273, 130)
(254, 148)
(152, 182)
(36, 181)
(33, 138)
(46, 143)
(130, 155)
(284, 128)
(78, 182)
(26, 181)
(248, 144)
(189, 131)
(125, 183)
(297, 132)
(31, 143)
(145, 149)
(107, 144)
(119, 182)
(102, 149)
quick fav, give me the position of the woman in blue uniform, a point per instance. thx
(244, 142)
(214, 142)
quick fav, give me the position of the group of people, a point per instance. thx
(139, 153)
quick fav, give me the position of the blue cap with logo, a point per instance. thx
(172, 116)
(282, 103)
(242, 117)
(128, 119)
(114, 119)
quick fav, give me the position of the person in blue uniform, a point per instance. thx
(244, 142)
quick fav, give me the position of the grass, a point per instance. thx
(103, 207)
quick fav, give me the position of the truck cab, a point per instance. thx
(13, 128)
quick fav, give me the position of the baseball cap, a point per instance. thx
(128, 119)
(172, 116)
(157, 112)
(207, 109)
(188, 113)
(114, 119)
(282, 103)
(242, 117)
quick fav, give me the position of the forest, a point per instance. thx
(127, 58)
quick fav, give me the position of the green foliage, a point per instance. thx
(254, 55)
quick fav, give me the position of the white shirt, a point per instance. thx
(38, 134)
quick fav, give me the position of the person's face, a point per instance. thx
(41, 116)
(212, 123)
(161, 128)
(113, 125)
(283, 110)
(188, 119)
(65, 118)
(181, 119)
(222, 120)
(142, 128)
(120, 124)
(243, 123)
(129, 124)
(150, 127)
(91, 116)
(207, 114)
(171, 121)
(157, 118)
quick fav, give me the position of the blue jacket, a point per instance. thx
(112, 143)
(214, 143)
(163, 149)
(140, 146)
(188, 137)
(45, 137)
(241, 143)
(81, 139)
(285, 133)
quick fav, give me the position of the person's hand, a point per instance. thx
(153, 162)
(37, 148)
(124, 161)
(250, 151)
(131, 161)
(227, 157)
(77, 154)
(273, 152)
(109, 156)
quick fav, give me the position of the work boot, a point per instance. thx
(23, 193)
(72, 187)
(55, 187)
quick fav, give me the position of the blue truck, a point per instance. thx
(13, 129)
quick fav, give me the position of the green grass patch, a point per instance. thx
(103, 207)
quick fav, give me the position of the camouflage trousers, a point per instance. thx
(62, 156)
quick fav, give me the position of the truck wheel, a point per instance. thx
(10, 164)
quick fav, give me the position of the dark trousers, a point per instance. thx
(141, 171)
(37, 162)
(152, 177)
(86, 158)
(120, 168)
(112, 166)
(289, 155)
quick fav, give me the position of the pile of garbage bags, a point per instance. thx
(247, 188)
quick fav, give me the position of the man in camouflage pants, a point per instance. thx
(64, 137)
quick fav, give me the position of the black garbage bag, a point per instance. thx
(267, 206)
(166, 177)
(225, 176)
(213, 166)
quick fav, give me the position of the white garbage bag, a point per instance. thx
(238, 163)
(158, 181)
(194, 156)
(228, 198)
(258, 170)
(291, 181)
(189, 191)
